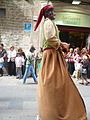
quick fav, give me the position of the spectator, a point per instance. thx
(84, 70)
(11, 61)
(3, 56)
(88, 68)
(76, 50)
(70, 62)
(29, 65)
(19, 61)
(84, 52)
(24, 56)
(77, 64)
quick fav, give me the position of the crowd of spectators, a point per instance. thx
(78, 64)
(14, 62)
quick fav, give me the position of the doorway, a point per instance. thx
(76, 39)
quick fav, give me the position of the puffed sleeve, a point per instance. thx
(50, 34)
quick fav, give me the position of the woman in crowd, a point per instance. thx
(77, 64)
(11, 61)
(70, 57)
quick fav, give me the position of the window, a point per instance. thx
(2, 11)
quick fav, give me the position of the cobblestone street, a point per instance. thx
(18, 101)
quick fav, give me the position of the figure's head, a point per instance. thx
(46, 11)
(84, 51)
(71, 50)
(50, 13)
(32, 49)
(18, 54)
(20, 50)
(1, 46)
(11, 47)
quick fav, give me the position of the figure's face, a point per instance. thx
(20, 51)
(71, 50)
(52, 15)
(1, 47)
(84, 50)
(12, 48)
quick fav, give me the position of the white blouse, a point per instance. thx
(11, 54)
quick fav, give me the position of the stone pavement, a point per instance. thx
(85, 93)
(18, 101)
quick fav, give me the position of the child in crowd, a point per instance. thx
(19, 61)
(84, 70)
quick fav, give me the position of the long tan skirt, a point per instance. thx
(58, 97)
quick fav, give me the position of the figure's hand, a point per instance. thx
(65, 45)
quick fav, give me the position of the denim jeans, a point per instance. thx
(1, 70)
(31, 69)
(19, 72)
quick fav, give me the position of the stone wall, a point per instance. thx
(18, 12)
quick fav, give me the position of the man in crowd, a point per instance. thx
(3, 58)
(29, 65)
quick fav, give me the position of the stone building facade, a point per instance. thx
(16, 25)
(21, 15)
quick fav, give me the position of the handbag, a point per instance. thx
(84, 71)
(1, 60)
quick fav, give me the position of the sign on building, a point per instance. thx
(27, 26)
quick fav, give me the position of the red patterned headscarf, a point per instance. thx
(41, 15)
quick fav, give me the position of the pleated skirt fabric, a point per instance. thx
(58, 97)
